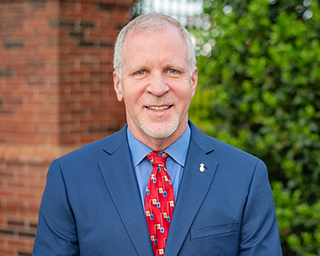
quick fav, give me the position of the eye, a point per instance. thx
(140, 73)
(172, 71)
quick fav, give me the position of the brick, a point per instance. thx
(33, 225)
(14, 64)
(86, 65)
(24, 253)
(106, 44)
(47, 14)
(48, 53)
(106, 7)
(6, 72)
(31, 216)
(36, 83)
(16, 243)
(77, 34)
(5, 232)
(37, 186)
(34, 206)
(85, 43)
(6, 112)
(36, 63)
(13, 25)
(97, 73)
(77, 73)
(24, 93)
(5, 174)
(5, 55)
(14, 101)
(38, 4)
(25, 131)
(15, 223)
(87, 24)
(6, 194)
(7, 252)
(15, 82)
(28, 196)
(16, 185)
(49, 33)
(36, 24)
(23, 54)
(66, 23)
(66, 5)
(27, 234)
(25, 73)
(76, 15)
(6, 34)
(21, 16)
(16, 6)
(34, 44)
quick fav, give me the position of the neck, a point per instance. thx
(158, 144)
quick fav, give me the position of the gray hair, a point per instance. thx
(149, 23)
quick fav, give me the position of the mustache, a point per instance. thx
(158, 101)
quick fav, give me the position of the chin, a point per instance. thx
(160, 130)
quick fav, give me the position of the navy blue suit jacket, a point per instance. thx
(91, 204)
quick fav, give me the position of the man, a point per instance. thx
(97, 198)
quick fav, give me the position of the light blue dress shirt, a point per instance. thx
(175, 163)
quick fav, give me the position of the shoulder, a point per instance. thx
(217, 147)
(229, 158)
(95, 151)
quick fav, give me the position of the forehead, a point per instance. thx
(138, 39)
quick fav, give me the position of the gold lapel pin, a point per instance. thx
(201, 167)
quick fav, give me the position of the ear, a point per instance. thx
(117, 86)
(194, 82)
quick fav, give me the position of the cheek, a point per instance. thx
(185, 94)
(133, 89)
(132, 100)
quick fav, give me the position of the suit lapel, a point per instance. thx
(120, 179)
(193, 189)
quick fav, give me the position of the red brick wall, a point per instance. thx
(56, 94)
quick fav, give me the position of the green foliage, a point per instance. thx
(259, 89)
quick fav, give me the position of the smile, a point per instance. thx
(159, 108)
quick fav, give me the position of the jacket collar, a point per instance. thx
(114, 141)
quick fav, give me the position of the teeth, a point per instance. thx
(159, 108)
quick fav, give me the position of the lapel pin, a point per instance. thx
(201, 169)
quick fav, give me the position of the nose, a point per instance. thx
(157, 86)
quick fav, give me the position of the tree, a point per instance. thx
(259, 90)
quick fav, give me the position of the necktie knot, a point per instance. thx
(157, 159)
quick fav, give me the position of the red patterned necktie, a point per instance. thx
(159, 202)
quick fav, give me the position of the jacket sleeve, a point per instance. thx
(56, 232)
(259, 231)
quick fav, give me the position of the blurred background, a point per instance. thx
(258, 89)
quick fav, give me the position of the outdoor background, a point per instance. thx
(258, 89)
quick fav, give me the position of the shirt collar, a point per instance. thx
(177, 150)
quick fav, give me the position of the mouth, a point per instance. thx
(160, 108)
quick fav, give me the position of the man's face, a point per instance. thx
(156, 84)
